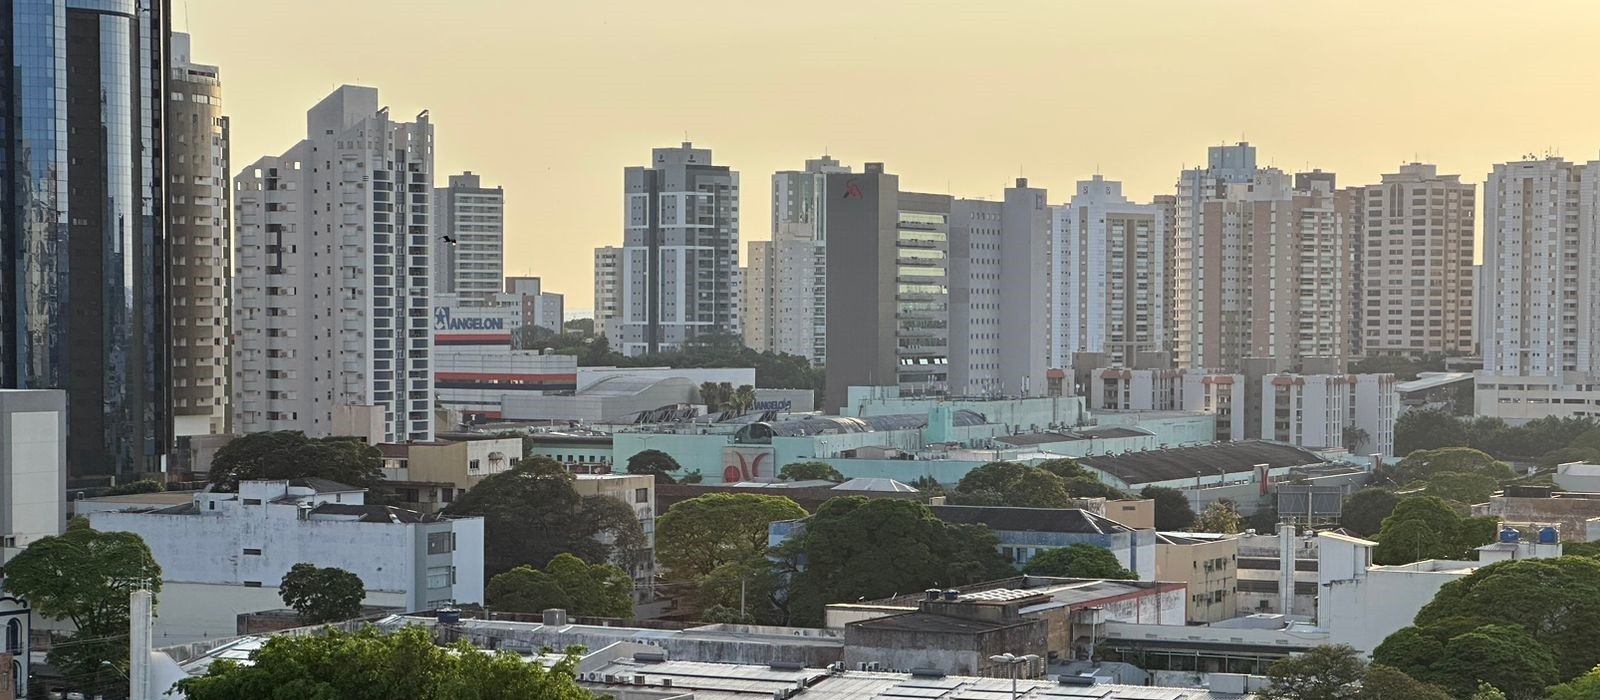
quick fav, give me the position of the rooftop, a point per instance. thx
(1432, 380)
(1073, 520)
(1101, 433)
(834, 425)
(936, 624)
(373, 513)
(1186, 462)
(319, 485)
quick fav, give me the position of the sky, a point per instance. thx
(551, 100)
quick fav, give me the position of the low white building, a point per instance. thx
(33, 484)
(1578, 477)
(223, 554)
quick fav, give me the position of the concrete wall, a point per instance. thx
(964, 654)
(1361, 605)
(188, 612)
(33, 466)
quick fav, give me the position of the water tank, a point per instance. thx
(932, 593)
(1509, 535)
(449, 616)
(1548, 535)
(952, 594)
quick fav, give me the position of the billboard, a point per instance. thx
(749, 464)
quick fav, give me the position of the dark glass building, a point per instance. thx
(82, 241)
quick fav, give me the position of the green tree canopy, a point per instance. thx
(1425, 527)
(289, 454)
(370, 665)
(1581, 549)
(85, 577)
(532, 513)
(1364, 510)
(322, 594)
(1385, 683)
(1081, 560)
(1555, 603)
(1219, 517)
(1423, 465)
(1584, 687)
(1461, 487)
(810, 471)
(1080, 482)
(590, 590)
(1012, 484)
(700, 534)
(750, 585)
(1427, 429)
(1557, 457)
(656, 463)
(1172, 508)
(1327, 672)
(133, 487)
(856, 548)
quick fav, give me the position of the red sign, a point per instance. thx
(851, 189)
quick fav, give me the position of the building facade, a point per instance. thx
(1262, 265)
(200, 233)
(469, 236)
(1541, 272)
(607, 290)
(680, 256)
(1416, 236)
(1110, 275)
(332, 327)
(86, 262)
(888, 285)
(540, 308)
(999, 303)
(786, 292)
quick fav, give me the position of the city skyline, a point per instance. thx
(1300, 86)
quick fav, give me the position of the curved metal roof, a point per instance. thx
(835, 425)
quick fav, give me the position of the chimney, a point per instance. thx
(141, 640)
(1286, 542)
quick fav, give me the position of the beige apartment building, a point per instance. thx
(1414, 257)
(1209, 566)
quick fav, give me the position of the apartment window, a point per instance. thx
(641, 495)
(438, 543)
(439, 577)
(250, 552)
(252, 501)
(252, 584)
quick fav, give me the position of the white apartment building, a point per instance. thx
(679, 268)
(1315, 410)
(1415, 251)
(607, 290)
(469, 237)
(225, 553)
(1540, 325)
(1263, 265)
(999, 303)
(33, 505)
(1109, 257)
(332, 278)
(785, 287)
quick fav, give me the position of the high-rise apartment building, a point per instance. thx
(539, 308)
(999, 306)
(200, 236)
(1263, 266)
(607, 290)
(84, 266)
(888, 285)
(332, 289)
(1541, 291)
(785, 287)
(469, 237)
(1111, 267)
(1414, 260)
(680, 257)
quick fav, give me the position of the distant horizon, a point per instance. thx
(551, 101)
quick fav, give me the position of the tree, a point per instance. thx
(1530, 607)
(856, 547)
(656, 463)
(289, 454)
(583, 327)
(743, 399)
(322, 594)
(1172, 508)
(1081, 560)
(1558, 457)
(745, 588)
(1012, 484)
(531, 513)
(1425, 527)
(1355, 438)
(1488, 692)
(1584, 687)
(1327, 672)
(1363, 511)
(134, 487)
(1385, 683)
(810, 471)
(698, 535)
(1427, 429)
(1219, 517)
(85, 577)
(1423, 465)
(715, 396)
(372, 665)
(569, 583)
(1581, 549)
(1461, 487)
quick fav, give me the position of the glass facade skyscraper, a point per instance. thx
(81, 234)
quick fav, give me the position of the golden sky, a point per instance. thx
(552, 99)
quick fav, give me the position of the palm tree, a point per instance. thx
(1355, 437)
(744, 398)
